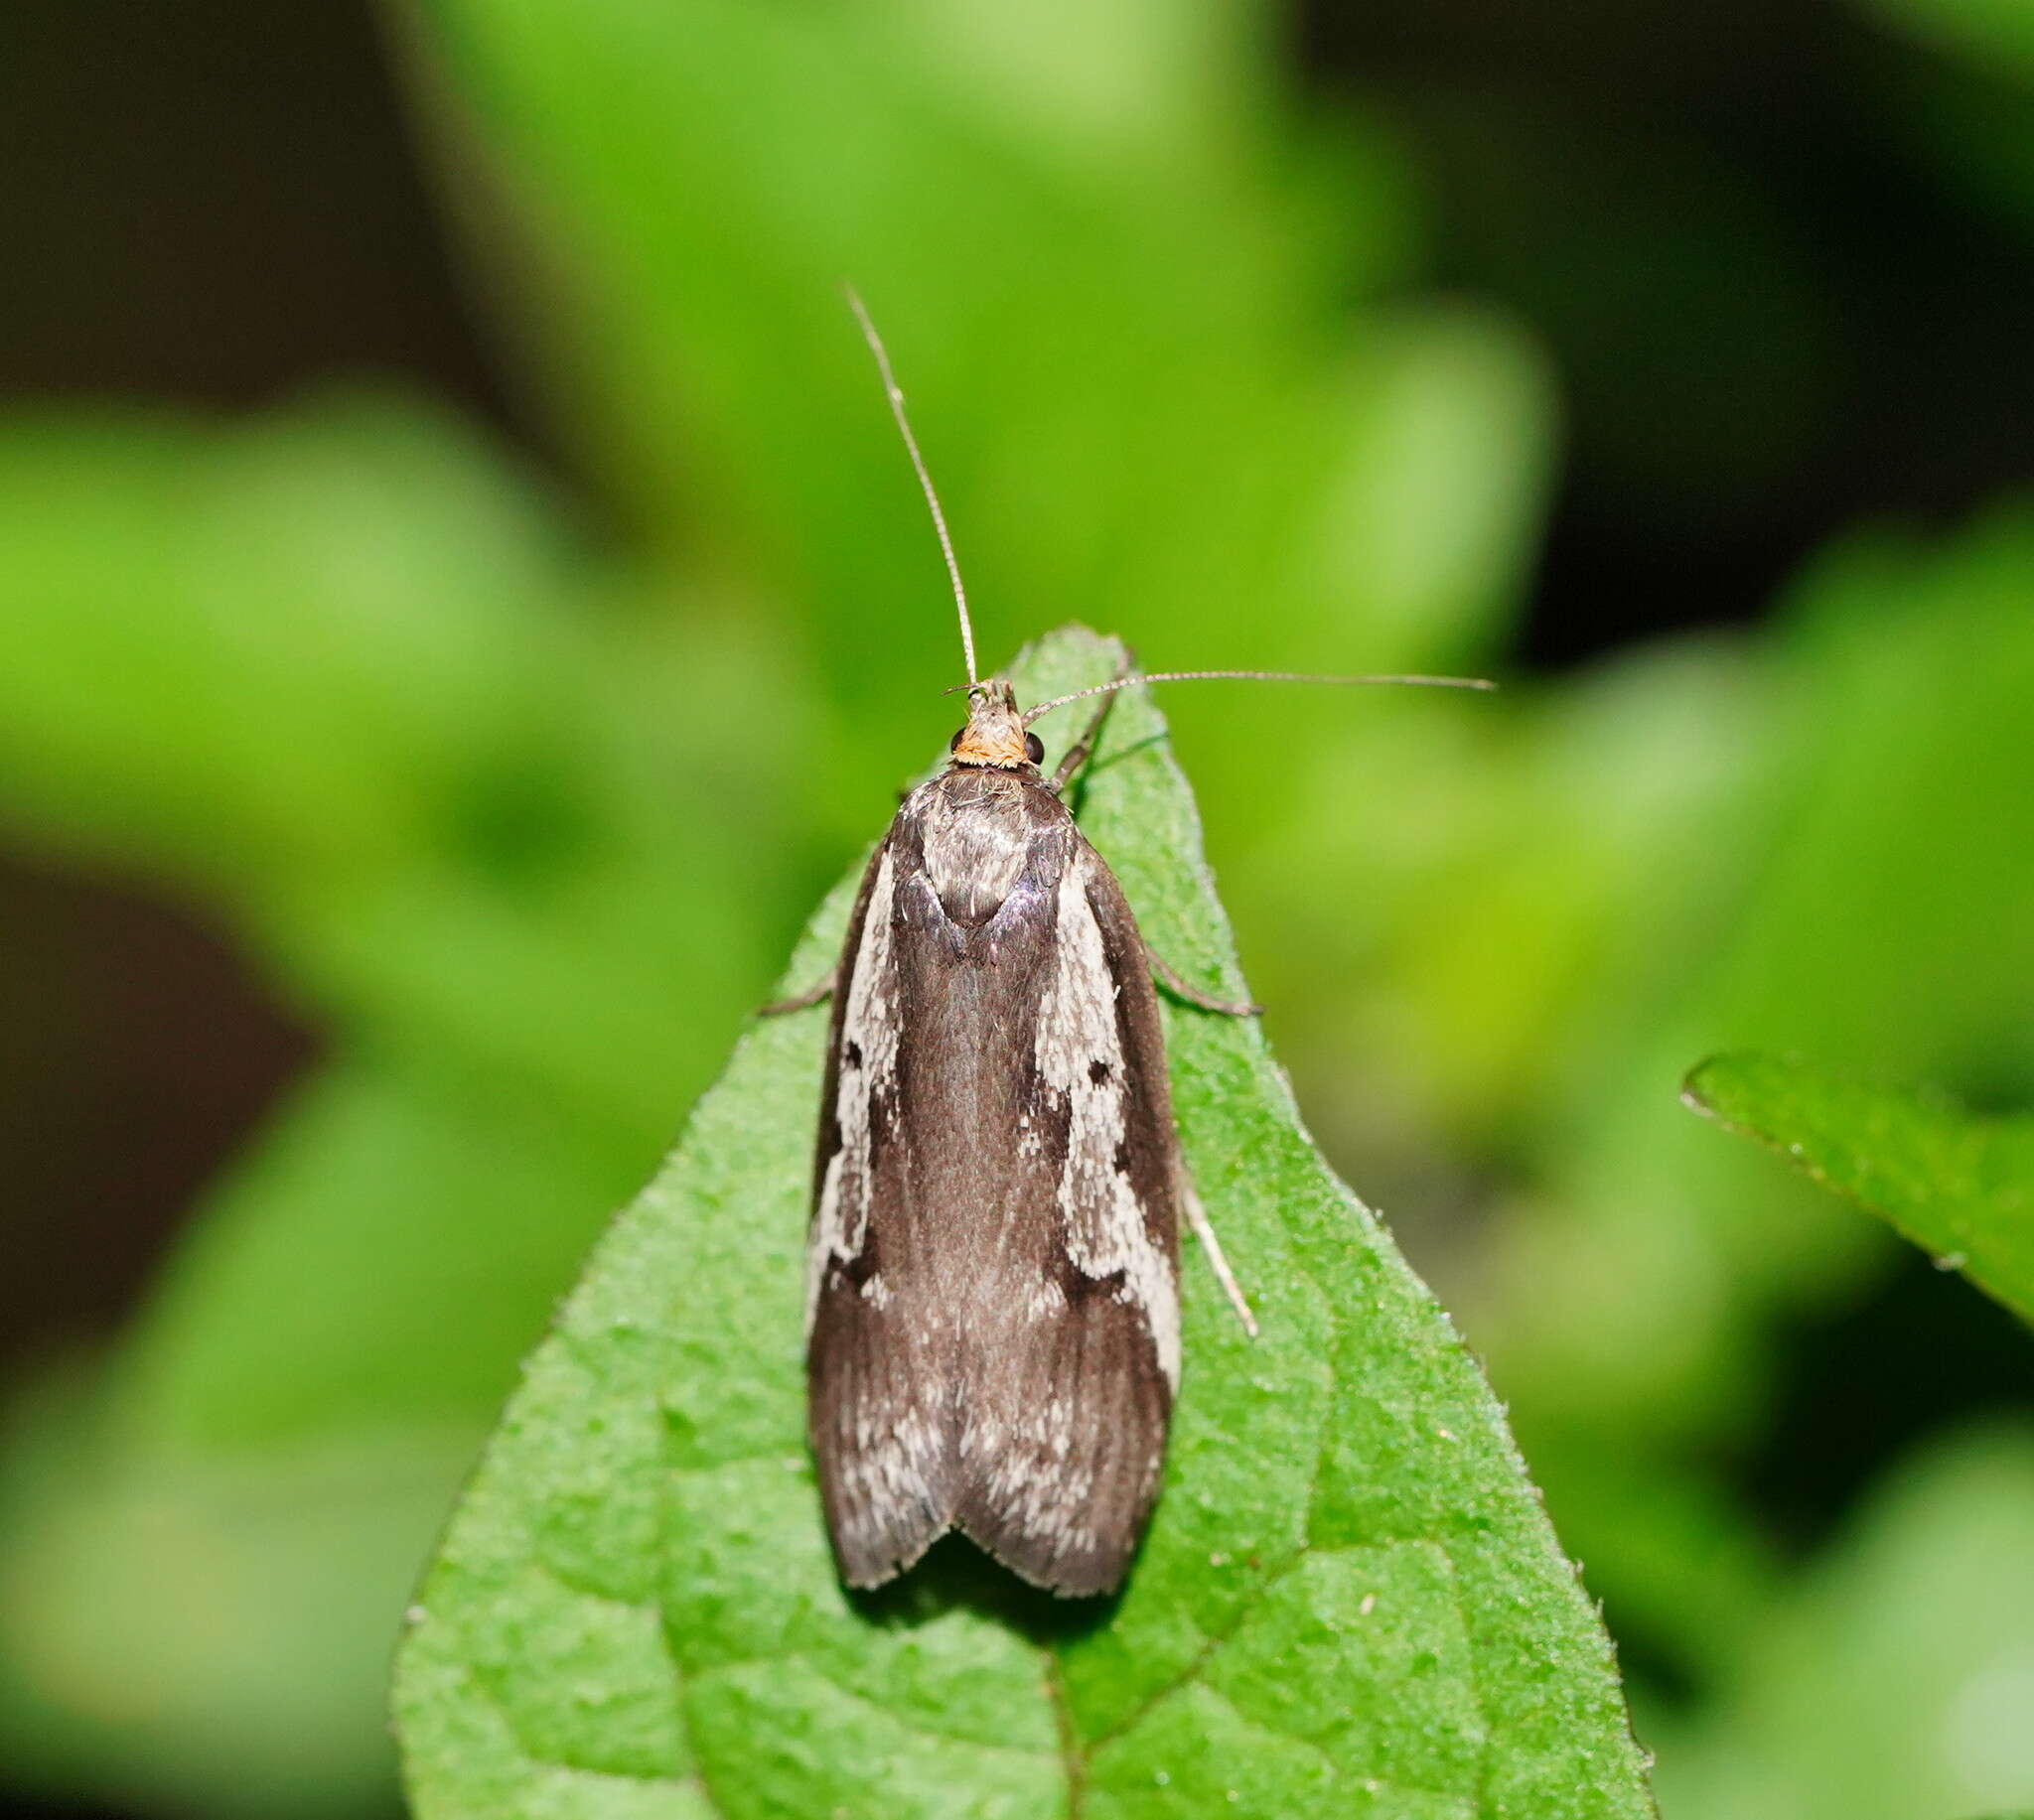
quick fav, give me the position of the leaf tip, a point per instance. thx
(1694, 1093)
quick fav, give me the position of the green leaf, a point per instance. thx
(1962, 1189)
(1350, 1600)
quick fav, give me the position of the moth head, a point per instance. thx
(995, 738)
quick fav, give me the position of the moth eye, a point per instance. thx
(1034, 748)
(953, 745)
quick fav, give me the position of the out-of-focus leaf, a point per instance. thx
(1962, 1189)
(332, 669)
(377, 1258)
(1223, 452)
(1994, 35)
(1966, 105)
(207, 1634)
(1349, 1599)
(1897, 1679)
(291, 645)
(607, 117)
(1884, 742)
(1444, 484)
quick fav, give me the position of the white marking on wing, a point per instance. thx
(884, 1470)
(1076, 1029)
(1046, 1504)
(869, 1024)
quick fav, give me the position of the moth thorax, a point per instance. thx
(994, 736)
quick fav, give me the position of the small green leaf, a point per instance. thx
(1350, 1600)
(1962, 1189)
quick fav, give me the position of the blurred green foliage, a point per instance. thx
(1892, 1677)
(519, 803)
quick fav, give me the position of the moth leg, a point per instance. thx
(1196, 1217)
(1083, 749)
(1233, 1008)
(812, 996)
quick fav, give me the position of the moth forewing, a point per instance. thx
(993, 1298)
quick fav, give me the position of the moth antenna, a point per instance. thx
(1124, 682)
(894, 394)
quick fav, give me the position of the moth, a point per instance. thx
(992, 1300)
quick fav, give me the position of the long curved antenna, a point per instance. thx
(895, 394)
(1124, 682)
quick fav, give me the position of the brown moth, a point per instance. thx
(992, 1284)
(993, 1277)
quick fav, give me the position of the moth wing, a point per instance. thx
(993, 1304)
(877, 1411)
(1065, 1415)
